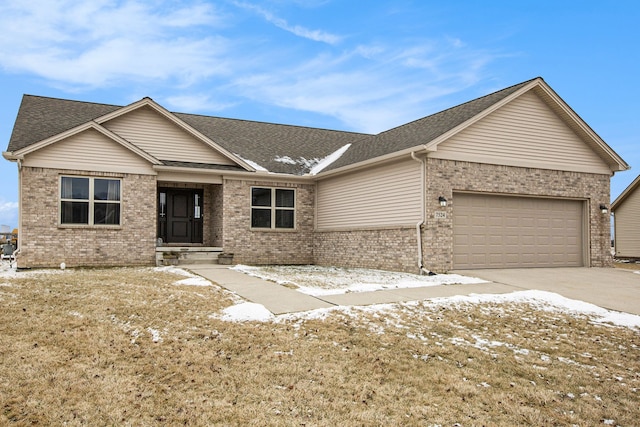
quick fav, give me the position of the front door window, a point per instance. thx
(180, 215)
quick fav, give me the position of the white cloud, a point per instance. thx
(370, 89)
(100, 42)
(9, 213)
(298, 30)
(8, 206)
(178, 48)
(197, 102)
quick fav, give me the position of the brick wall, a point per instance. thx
(215, 201)
(393, 249)
(267, 246)
(446, 176)
(46, 244)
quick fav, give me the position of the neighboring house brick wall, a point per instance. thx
(45, 244)
(266, 246)
(393, 249)
(446, 176)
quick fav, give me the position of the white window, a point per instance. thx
(89, 201)
(272, 208)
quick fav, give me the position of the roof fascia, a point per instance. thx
(420, 149)
(79, 129)
(9, 155)
(126, 144)
(626, 193)
(613, 158)
(148, 102)
(433, 145)
(53, 139)
(266, 176)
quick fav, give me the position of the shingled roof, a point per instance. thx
(421, 131)
(41, 117)
(276, 147)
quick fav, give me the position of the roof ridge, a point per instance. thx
(524, 83)
(55, 98)
(271, 123)
(200, 114)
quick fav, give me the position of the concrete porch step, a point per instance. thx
(187, 255)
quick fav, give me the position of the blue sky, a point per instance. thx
(344, 64)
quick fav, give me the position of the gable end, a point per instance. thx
(525, 132)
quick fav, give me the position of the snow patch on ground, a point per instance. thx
(549, 301)
(10, 271)
(246, 312)
(541, 300)
(318, 281)
(191, 280)
(194, 281)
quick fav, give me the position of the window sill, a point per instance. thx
(273, 230)
(90, 227)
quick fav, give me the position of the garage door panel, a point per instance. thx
(495, 221)
(508, 232)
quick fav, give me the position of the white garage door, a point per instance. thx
(511, 232)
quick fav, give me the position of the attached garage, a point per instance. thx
(496, 231)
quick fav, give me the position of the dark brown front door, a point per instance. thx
(180, 215)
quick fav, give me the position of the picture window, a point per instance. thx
(90, 201)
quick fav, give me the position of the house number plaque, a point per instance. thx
(439, 215)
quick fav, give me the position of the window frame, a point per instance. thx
(91, 202)
(272, 208)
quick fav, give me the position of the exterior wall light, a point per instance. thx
(604, 210)
(442, 200)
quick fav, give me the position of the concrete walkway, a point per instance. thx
(611, 288)
(279, 299)
(276, 298)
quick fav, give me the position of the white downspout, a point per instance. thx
(423, 166)
(19, 242)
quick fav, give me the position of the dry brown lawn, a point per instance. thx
(130, 347)
(627, 265)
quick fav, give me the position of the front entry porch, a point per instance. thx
(188, 255)
(189, 223)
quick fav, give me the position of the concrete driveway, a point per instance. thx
(612, 288)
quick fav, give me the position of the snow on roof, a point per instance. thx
(327, 161)
(254, 165)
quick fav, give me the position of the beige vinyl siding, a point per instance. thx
(92, 151)
(379, 197)
(163, 139)
(195, 177)
(525, 133)
(627, 226)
